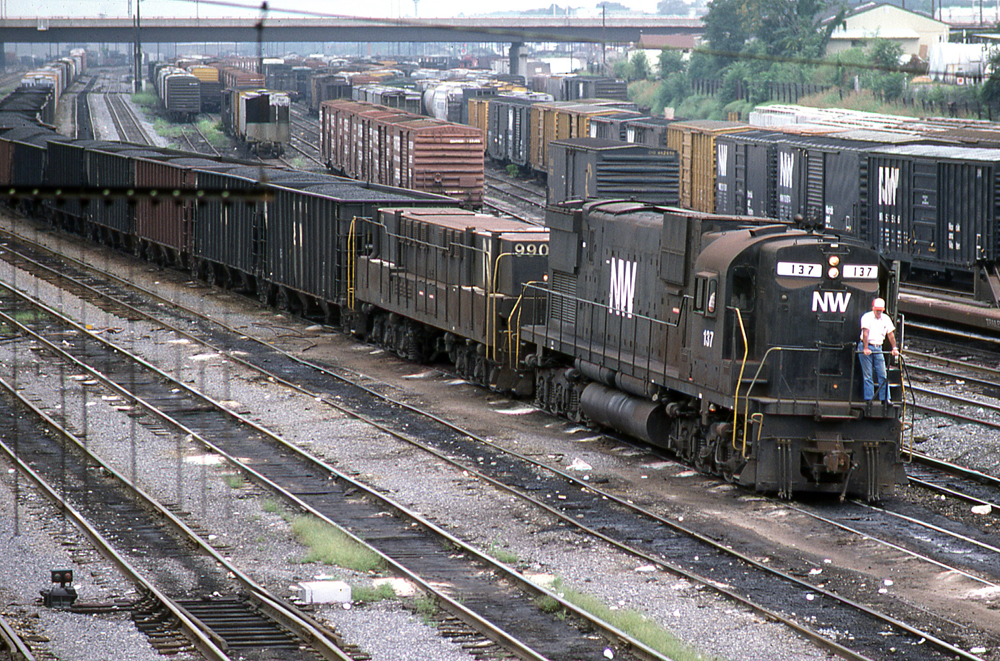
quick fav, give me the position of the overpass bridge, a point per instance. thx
(350, 30)
(515, 31)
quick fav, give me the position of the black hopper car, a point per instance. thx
(727, 340)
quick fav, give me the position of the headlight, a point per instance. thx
(834, 272)
(834, 260)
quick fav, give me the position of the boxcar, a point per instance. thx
(378, 144)
(934, 207)
(561, 120)
(695, 142)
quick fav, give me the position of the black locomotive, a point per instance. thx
(728, 341)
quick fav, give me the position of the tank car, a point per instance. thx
(727, 341)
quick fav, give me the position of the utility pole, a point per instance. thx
(138, 48)
(604, 39)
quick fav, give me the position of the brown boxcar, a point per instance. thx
(388, 146)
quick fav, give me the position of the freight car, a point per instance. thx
(389, 146)
(390, 97)
(258, 119)
(561, 120)
(211, 86)
(327, 87)
(286, 243)
(180, 93)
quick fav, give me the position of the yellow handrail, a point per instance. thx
(515, 342)
(746, 398)
(743, 364)
(491, 296)
(351, 262)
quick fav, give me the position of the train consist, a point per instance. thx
(259, 119)
(36, 98)
(179, 91)
(650, 320)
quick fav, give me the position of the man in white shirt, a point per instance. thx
(875, 327)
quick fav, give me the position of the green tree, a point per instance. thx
(726, 31)
(884, 77)
(673, 8)
(640, 65)
(990, 91)
(847, 65)
(670, 61)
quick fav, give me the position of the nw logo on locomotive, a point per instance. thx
(831, 301)
(622, 290)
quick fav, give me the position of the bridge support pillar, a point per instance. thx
(518, 59)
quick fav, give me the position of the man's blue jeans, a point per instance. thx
(876, 359)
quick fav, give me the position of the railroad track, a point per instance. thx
(144, 539)
(197, 141)
(664, 543)
(306, 144)
(126, 123)
(11, 645)
(512, 199)
(515, 621)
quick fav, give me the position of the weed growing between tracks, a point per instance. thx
(426, 609)
(145, 99)
(234, 480)
(213, 132)
(370, 593)
(332, 547)
(272, 506)
(631, 622)
(502, 554)
(166, 128)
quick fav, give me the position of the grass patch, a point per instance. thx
(502, 554)
(167, 129)
(426, 609)
(213, 132)
(145, 99)
(272, 506)
(234, 480)
(547, 604)
(368, 593)
(332, 547)
(300, 162)
(633, 623)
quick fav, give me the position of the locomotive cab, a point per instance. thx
(776, 324)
